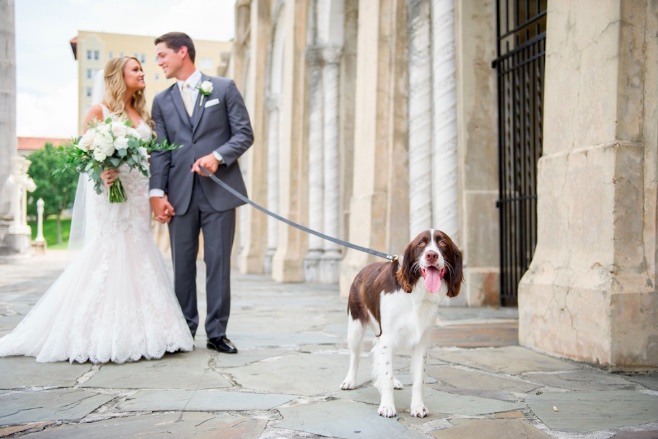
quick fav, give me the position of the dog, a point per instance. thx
(399, 300)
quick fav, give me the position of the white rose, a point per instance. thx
(119, 129)
(100, 139)
(86, 142)
(121, 143)
(108, 149)
(105, 129)
(206, 87)
(143, 152)
(99, 155)
(132, 132)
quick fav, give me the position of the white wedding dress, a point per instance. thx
(115, 301)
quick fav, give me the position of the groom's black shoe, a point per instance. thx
(222, 344)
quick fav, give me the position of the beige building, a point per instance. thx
(93, 49)
(525, 130)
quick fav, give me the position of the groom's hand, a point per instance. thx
(162, 209)
(209, 162)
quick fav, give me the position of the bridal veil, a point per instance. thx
(83, 223)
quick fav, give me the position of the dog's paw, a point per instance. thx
(387, 411)
(397, 385)
(419, 411)
(348, 384)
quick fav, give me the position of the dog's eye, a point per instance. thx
(442, 243)
(422, 244)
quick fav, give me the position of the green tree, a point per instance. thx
(56, 189)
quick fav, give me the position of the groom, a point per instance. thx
(207, 116)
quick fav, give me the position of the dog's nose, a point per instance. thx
(431, 257)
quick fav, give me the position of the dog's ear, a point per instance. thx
(455, 274)
(408, 274)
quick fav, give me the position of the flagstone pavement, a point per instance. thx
(285, 381)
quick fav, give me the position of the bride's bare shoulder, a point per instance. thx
(94, 113)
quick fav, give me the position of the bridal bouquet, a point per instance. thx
(110, 144)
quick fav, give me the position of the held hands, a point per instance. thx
(209, 162)
(109, 176)
(162, 209)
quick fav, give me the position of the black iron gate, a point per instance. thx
(521, 27)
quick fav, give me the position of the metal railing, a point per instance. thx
(521, 28)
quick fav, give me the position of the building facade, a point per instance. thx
(94, 49)
(525, 130)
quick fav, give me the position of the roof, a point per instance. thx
(35, 143)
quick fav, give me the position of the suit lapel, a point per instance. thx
(199, 109)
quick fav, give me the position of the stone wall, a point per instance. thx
(590, 293)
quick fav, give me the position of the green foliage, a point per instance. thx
(50, 232)
(57, 189)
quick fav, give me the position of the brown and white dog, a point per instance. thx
(400, 302)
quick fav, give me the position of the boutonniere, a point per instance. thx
(205, 89)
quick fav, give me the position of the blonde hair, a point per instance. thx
(115, 88)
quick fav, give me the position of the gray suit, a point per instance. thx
(200, 204)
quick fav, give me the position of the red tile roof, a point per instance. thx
(34, 143)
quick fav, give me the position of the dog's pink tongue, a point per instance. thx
(432, 277)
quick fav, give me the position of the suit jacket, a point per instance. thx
(221, 123)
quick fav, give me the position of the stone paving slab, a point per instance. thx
(476, 335)
(491, 429)
(21, 372)
(342, 419)
(591, 411)
(472, 379)
(586, 379)
(189, 425)
(297, 373)
(645, 380)
(437, 402)
(513, 360)
(273, 339)
(201, 400)
(51, 405)
(187, 370)
(31, 426)
(245, 357)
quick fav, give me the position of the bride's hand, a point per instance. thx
(109, 176)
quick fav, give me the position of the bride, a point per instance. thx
(115, 301)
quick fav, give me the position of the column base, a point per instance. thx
(267, 260)
(312, 265)
(330, 267)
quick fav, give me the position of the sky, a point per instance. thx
(46, 72)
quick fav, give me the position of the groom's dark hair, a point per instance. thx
(176, 40)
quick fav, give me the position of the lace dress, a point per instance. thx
(115, 301)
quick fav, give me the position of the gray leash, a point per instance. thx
(294, 224)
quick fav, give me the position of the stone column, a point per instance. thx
(444, 122)
(315, 171)
(379, 211)
(477, 119)
(255, 227)
(330, 75)
(273, 145)
(287, 264)
(7, 119)
(420, 118)
(590, 292)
